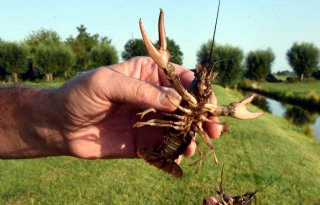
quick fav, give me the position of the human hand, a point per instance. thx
(99, 108)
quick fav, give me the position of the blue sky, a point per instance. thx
(247, 24)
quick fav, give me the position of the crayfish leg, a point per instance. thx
(224, 125)
(177, 85)
(179, 125)
(200, 155)
(142, 114)
(207, 140)
(179, 117)
(185, 110)
(210, 145)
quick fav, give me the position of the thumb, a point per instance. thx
(142, 94)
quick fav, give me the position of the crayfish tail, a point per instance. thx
(173, 168)
(154, 158)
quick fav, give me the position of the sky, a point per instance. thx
(247, 24)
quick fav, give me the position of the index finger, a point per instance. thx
(186, 75)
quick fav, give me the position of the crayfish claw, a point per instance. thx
(241, 112)
(161, 56)
(162, 33)
(248, 99)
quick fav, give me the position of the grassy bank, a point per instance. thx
(304, 93)
(253, 153)
(43, 84)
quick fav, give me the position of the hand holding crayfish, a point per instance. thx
(91, 115)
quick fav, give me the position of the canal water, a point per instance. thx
(307, 120)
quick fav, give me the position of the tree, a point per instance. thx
(13, 58)
(203, 54)
(43, 37)
(230, 67)
(65, 59)
(103, 54)
(2, 55)
(53, 59)
(316, 74)
(37, 38)
(303, 58)
(134, 47)
(81, 47)
(259, 63)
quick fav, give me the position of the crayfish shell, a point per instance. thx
(154, 158)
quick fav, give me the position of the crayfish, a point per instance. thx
(186, 122)
(227, 199)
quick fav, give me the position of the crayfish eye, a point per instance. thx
(198, 68)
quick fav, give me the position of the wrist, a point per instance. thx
(47, 122)
(29, 124)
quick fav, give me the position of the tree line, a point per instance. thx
(42, 54)
(256, 65)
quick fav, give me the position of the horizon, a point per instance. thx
(244, 24)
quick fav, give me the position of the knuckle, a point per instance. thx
(144, 92)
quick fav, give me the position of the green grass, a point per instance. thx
(301, 89)
(43, 84)
(281, 77)
(306, 93)
(254, 153)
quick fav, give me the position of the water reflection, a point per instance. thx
(262, 103)
(316, 128)
(307, 120)
(299, 116)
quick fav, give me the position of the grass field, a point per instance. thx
(305, 93)
(253, 153)
(300, 89)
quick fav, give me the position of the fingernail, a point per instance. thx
(169, 93)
